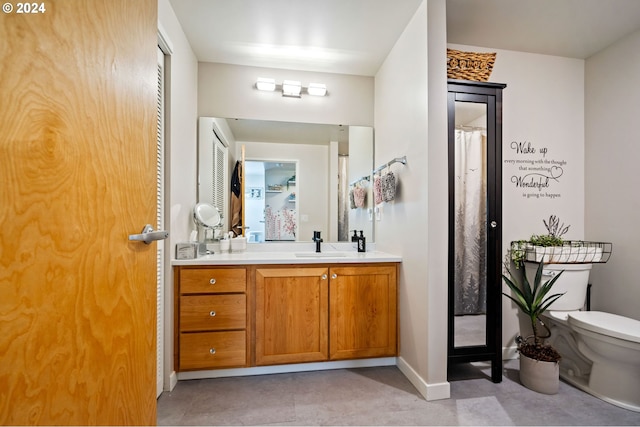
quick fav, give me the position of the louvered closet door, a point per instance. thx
(160, 226)
(220, 172)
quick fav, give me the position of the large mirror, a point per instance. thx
(298, 177)
(470, 219)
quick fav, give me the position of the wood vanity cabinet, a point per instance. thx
(259, 315)
(292, 315)
(310, 314)
(211, 318)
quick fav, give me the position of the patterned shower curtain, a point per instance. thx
(343, 199)
(470, 275)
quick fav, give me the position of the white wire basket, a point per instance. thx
(570, 252)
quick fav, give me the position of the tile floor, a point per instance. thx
(380, 396)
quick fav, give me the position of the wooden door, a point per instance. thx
(362, 305)
(77, 176)
(291, 315)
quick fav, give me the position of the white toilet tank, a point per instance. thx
(573, 283)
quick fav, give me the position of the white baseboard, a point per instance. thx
(173, 381)
(428, 391)
(509, 353)
(280, 369)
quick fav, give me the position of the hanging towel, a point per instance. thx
(236, 200)
(359, 195)
(377, 190)
(389, 187)
(352, 199)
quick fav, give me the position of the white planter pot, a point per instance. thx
(563, 254)
(543, 377)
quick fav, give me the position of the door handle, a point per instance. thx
(149, 235)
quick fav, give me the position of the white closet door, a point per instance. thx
(160, 226)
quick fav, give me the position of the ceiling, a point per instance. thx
(355, 36)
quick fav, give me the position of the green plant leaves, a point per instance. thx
(533, 301)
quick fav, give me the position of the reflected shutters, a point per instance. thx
(219, 173)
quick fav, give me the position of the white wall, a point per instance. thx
(361, 151)
(611, 176)
(181, 130)
(543, 108)
(228, 91)
(410, 119)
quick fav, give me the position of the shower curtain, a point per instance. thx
(470, 273)
(343, 199)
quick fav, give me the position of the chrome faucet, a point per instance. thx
(317, 239)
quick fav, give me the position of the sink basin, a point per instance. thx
(320, 254)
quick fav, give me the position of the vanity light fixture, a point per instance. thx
(266, 84)
(291, 88)
(317, 89)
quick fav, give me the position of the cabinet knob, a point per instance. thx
(324, 277)
(212, 281)
(212, 313)
(212, 350)
(334, 276)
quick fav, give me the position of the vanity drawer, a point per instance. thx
(212, 280)
(213, 312)
(208, 350)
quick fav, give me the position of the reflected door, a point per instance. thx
(271, 192)
(475, 332)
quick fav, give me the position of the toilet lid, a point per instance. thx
(607, 324)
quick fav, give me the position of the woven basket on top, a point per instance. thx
(469, 65)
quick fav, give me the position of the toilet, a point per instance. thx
(600, 351)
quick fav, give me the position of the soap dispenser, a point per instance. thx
(354, 238)
(362, 245)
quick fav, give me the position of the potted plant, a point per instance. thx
(539, 362)
(534, 249)
(553, 248)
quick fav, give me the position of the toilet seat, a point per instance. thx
(608, 324)
(558, 316)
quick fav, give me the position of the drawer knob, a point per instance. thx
(212, 350)
(212, 313)
(212, 281)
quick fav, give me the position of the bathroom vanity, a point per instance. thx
(255, 309)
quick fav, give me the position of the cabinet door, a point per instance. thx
(362, 304)
(291, 315)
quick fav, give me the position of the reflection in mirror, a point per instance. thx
(470, 274)
(329, 159)
(270, 201)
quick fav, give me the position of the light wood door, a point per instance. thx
(362, 307)
(291, 315)
(77, 176)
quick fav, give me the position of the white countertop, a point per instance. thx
(292, 253)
